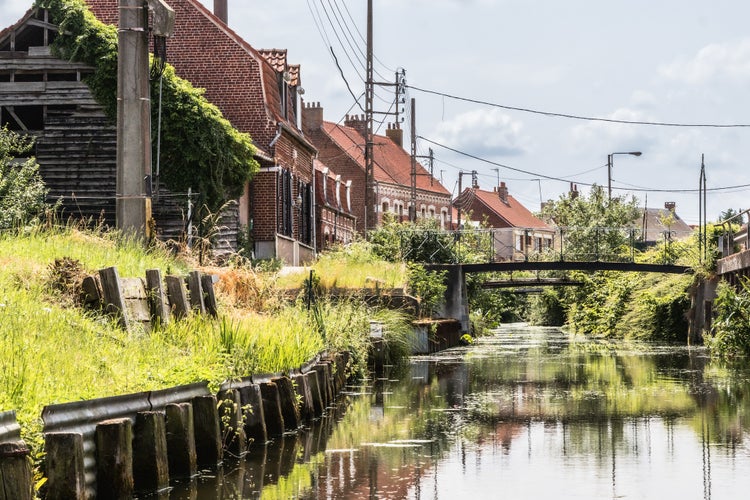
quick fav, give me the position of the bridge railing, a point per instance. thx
(581, 244)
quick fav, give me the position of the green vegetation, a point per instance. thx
(730, 333)
(22, 190)
(199, 148)
(588, 223)
(53, 351)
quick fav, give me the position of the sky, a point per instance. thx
(490, 79)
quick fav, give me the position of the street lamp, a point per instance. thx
(609, 167)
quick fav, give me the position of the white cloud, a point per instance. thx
(614, 136)
(713, 63)
(483, 133)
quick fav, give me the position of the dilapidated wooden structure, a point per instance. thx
(76, 143)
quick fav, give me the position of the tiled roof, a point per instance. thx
(391, 163)
(511, 210)
(277, 59)
(654, 224)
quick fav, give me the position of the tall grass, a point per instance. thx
(52, 351)
(354, 266)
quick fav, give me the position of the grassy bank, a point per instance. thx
(54, 351)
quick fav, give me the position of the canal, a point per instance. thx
(526, 413)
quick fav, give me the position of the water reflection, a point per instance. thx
(528, 413)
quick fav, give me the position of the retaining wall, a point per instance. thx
(135, 444)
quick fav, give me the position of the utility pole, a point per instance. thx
(133, 183)
(413, 202)
(369, 160)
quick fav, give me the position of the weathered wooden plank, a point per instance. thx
(114, 459)
(156, 297)
(209, 295)
(196, 292)
(114, 302)
(177, 296)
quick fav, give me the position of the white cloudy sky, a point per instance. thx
(676, 61)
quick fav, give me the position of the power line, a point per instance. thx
(562, 179)
(580, 117)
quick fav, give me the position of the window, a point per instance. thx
(385, 207)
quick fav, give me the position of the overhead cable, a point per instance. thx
(580, 117)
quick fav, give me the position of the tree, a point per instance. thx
(729, 214)
(22, 190)
(593, 227)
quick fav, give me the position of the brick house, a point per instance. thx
(259, 93)
(516, 231)
(341, 147)
(335, 221)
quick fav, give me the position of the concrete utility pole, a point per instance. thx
(133, 187)
(370, 213)
(413, 202)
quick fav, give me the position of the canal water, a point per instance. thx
(528, 413)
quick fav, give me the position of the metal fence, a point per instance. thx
(581, 244)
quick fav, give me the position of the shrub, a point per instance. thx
(730, 331)
(22, 190)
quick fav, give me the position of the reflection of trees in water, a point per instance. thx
(596, 402)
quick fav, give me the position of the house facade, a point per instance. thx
(516, 232)
(336, 224)
(259, 93)
(341, 147)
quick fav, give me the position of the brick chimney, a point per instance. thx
(670, 205)
(573, 191)
(358, 123)
(502, 192)
(312, 116)
(221, 11)
(396, 134)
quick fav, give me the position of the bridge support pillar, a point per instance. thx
(456, 303)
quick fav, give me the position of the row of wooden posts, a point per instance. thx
(141, 454)
(147, 302)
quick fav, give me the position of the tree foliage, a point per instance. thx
(22, 190)
(593, 225)
(199, 148)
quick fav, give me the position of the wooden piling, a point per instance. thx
(209, 296)
(230, 420)
(114, 302)
(196, 292)
(272, 409)
(306, 409)
(207, 432)
(288, 401)
(15, 472)
(64, 466)
(317, 398)
(114, 459)
(177, 296)
(150, 462)
(156, 298)
(255, 421)
(181, 454)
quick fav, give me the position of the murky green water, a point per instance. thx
(528, 413)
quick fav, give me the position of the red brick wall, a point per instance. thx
(330, 154)
(263, 202)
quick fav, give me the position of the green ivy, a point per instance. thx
(730, 331)
(199, 147)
